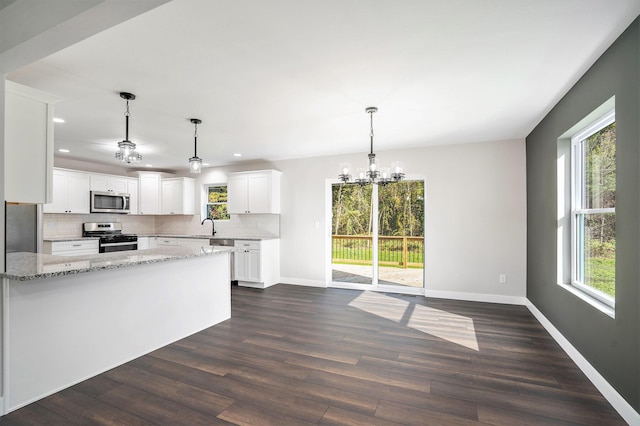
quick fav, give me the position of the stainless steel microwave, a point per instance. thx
(109, 202)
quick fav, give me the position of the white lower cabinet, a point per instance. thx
(71, 248)
(257, 263)
(143, 243)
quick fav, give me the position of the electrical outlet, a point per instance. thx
(503, 278)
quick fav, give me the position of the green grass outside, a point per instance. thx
(602, 275)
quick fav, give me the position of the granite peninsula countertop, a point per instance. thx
(33, 266)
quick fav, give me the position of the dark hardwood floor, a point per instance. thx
(298, 355)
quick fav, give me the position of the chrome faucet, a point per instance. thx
(213, 227)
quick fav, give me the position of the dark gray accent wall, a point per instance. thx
(612, 346)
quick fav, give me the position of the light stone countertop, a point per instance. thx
(60, 239)
(217, 236)
(33, 266)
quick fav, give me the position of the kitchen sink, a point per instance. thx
(221, 242)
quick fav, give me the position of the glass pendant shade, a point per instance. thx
(345, 172)
(195, 165)
(127, 152)
(397, 171)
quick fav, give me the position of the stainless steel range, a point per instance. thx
(111, 236)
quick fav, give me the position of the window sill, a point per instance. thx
(605, 309)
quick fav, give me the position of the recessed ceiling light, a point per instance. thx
(58, 120)
(148, 165)
(237, 154)
(63, 150)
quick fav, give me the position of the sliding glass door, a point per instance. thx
(377, 235)
(401, 234)
(352, 233)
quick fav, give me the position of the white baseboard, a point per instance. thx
(476, 297)
(303, 282)
(628, 413)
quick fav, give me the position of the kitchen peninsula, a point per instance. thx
(68, 318)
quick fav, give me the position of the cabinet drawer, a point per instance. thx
(247, 245)
(167, 241)
(81, 245)
(69, 248)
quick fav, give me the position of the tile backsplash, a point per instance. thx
(238, 225)
(70, 225)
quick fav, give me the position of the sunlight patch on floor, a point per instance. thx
(445, 325)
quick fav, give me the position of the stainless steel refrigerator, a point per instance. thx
(23, 228)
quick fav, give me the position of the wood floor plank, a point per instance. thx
(336, 416)
(305, 355)
(189, 396)
(156, 409)
(79, 408)
(249, 415)
(337, 396)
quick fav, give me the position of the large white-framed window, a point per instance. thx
(216, 205)
(593, 213)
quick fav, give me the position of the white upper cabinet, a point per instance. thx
(132, 190)
(70, 193)
(149, 193)
(178, 196)
(28, 144)
(254, 192)
(106, 183)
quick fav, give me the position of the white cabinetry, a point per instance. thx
(106, 183)
(70, 193)
(71, 248)
(143, 243)
(132, 190)
(254, 192)
(257, 263)
(178, 196)
(149, 193)
(28, 144)
(167, 241)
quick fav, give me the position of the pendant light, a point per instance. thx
(373, 173)
(127, 149)
(195, 162)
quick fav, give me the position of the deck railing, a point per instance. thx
(392, 251)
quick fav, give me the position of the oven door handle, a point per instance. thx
(126, 243)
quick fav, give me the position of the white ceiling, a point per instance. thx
(284, 79)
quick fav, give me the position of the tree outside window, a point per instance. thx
(217, 202)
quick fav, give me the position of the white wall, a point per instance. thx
(475, 215)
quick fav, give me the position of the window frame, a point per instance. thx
(206, 204)
(578, 210)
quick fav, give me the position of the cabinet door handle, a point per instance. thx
(77, 245)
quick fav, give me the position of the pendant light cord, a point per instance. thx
(195, 140)
(126, 117)
(371, 133)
